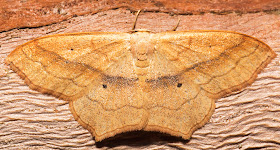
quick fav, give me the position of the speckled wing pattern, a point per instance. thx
(206, 66)
(119, 82)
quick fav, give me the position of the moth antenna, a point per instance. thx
(134, 24)
(174, 29)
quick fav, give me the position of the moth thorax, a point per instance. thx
(141, 49)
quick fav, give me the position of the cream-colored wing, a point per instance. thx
(92, 70)
(206, 65)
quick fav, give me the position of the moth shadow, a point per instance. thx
(138, 139)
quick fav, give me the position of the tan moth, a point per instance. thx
(117, 82)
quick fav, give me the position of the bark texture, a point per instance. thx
(36, 13)
(243, 120)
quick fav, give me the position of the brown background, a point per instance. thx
(243, 120)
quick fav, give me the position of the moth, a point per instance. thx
(118, 82)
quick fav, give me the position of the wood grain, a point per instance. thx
(36, 13)
(247, 119)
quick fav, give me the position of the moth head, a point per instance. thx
(140, 30)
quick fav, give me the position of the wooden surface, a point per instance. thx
(36, 13)
(246, 119)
